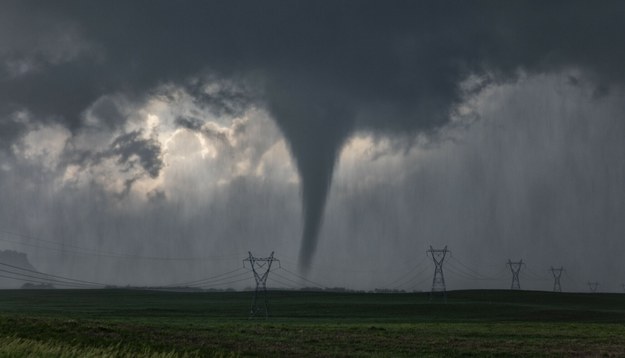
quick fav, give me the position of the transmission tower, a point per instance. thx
(260, 266)
(515, 267)
(438, 281)
(557, 273)
(593, 286)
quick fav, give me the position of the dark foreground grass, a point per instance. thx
(151, 323)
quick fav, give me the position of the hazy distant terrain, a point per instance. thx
(13, 258)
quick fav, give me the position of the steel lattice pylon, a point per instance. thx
(260, 266)
(557, 273)
(593, 286)
(438, 281)
(515, 268)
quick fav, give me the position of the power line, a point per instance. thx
(219, 281)
(469, 269)
(412, 279)
(224, 283)
(459, 270)
(536, 276)
(46, 280)
(420, 282)
(407, 273)
(283, 283)
(41, 281)
(55, 276)
(109, 254)
(205, 279)
(533, 277)
(465, 274)
(409, 279)
(303, 278)
(578, 282)
(454, 270)
(326, 268)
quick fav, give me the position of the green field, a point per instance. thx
(82, 323)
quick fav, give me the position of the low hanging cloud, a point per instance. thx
(322, 71)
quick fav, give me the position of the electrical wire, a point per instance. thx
(419, 283)
(219, 281)
(211, 278)
(528, 274)
(222, 283)
(41, 282)
(412, 279)
(298, 284)
(460, 274)
(468, 269)
(74, 249)
(407, 281)
(469, 274)
(43, 279)
(283, 283)
(536, 275)
(303, 278)
(54, 276)
(407, 273)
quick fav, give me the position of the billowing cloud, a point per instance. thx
(322, 71)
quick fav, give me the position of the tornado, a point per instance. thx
(315, 127)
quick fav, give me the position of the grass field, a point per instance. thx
(95, 323)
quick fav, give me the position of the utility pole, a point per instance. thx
(557, 273)
(593, 286)
(515, 268)
(438, 281)
(260, 266)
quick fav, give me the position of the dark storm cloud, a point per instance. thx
(108, 113)
(324, 69)
(10, 129)
(193, 124)
(223, 97)
(131, 149)
(196, 125)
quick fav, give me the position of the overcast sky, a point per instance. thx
(151, 142)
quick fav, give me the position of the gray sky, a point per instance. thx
(151, 142)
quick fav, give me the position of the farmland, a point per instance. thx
(155, 323)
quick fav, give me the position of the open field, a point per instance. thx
(151, 323)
